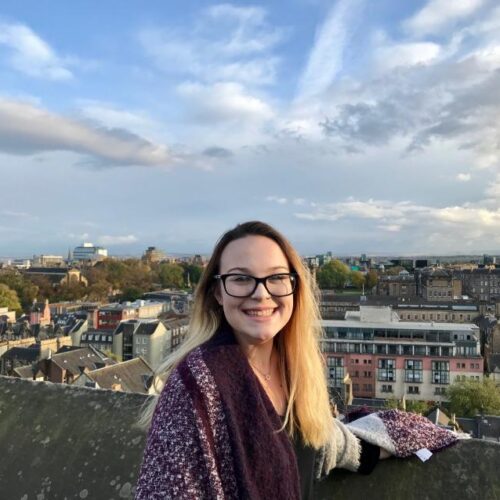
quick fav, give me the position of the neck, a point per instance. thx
(259, 355)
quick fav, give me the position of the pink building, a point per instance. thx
(388, 358)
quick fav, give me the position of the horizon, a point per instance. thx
(351, 126)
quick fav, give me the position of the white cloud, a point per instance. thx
(389, 55)
(325, 59)
(27, 129)
(437, 14)
(442, 229)
(277, 199)
(223, 102)
(229, 43)
(31, 55)
(109, 240)
(464, 177)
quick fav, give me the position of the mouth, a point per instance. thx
(260, 313)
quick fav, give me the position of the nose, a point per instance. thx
(260, 292)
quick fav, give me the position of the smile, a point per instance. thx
(259, 312)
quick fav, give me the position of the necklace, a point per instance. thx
(267, 376)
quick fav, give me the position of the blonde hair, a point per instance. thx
(301, 362)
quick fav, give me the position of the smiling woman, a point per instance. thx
(244, 409)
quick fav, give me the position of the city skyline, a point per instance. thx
(352, 127)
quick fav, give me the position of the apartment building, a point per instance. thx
(386, 357)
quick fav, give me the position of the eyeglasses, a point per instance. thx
(244, 285)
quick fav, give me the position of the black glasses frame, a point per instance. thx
(293, 281)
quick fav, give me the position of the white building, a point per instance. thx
(89, 252)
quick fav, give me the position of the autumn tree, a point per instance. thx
(171, 275)
(9, 298)
(357, 279)
(371, 279)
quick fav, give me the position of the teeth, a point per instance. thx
(266, 312)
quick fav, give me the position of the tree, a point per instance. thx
(194, 272)
(470, 397)
(9, 298)
(333, 274)
(371, 279)
(171, 276)
(412, 406)
(357, 279)
(131, 293)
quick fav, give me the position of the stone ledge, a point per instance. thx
(65, 442)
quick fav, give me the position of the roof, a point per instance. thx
(47, 270)
(132, 376)
(147, 327)
(27, 354)
(26, 371)
(85, 357)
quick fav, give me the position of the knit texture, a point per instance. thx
(215, 434)
(402, 433)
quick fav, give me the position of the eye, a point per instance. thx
(279, 278)
(240, 278)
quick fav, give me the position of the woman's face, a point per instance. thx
(258, 318)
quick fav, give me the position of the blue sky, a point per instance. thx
(353, 126)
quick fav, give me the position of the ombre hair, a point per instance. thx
(301, 363)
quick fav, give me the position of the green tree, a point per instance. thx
(131, 293)
(412, 406)
(470, 397)
(9, 298)
(171, 275)
(99, 290)
(357, 279)
(194, 272)
(371, 279)
(333, 275)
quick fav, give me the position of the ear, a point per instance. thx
(217, 294)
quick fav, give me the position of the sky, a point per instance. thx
(352, 126)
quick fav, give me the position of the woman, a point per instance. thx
(244, 411)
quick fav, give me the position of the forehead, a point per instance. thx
(256, 254)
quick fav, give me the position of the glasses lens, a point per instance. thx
(280, 285)
(240, 285)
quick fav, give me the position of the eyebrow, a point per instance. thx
(246, 270)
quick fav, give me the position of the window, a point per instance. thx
(387, 370)
(413, 370)
(440, 372)
(387, 388)
(335, 371)
(413, 389)
(439, 391)
(367, 387)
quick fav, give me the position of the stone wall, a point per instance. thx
(66, 442)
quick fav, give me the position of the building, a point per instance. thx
(152, 254)
(48, 261)
(386, 357)
(175, 301)
(66, 365)
(401, 285)
(133, 375)
(21, 263)
(89, 253)
(146, 338)
(57, 275)
(99, 339)
(110, 316)
(40, 313)
(482, 283)
(6, 315)
(438, 284)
